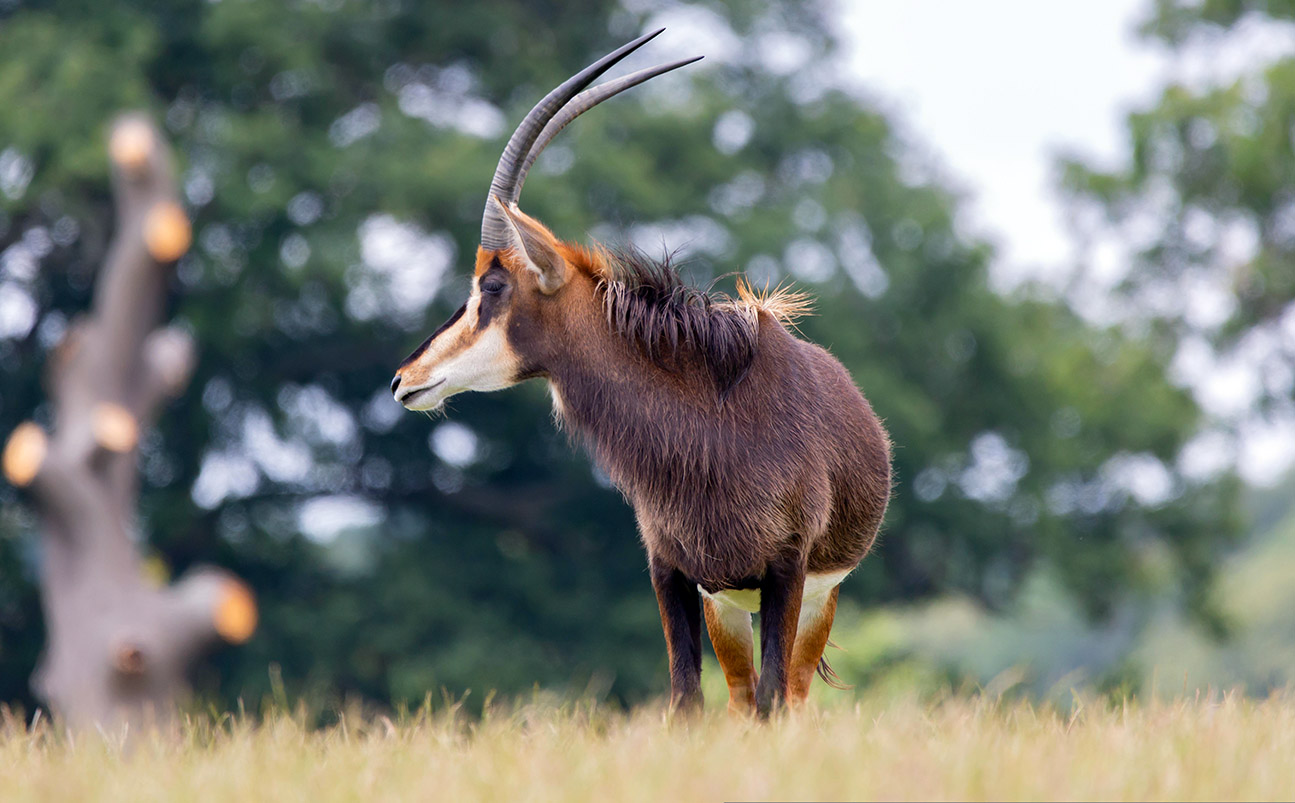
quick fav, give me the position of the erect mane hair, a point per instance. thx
(648, 303)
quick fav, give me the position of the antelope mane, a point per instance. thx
(647, 302)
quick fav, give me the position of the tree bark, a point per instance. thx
(118, 649)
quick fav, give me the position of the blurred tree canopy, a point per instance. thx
(1206, 206)
(1194, 237)
(335, 159)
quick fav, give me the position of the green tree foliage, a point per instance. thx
(336, 157)
(1207, 202)
(1204, 214)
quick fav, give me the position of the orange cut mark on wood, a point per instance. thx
(235, 615)
(24, 453)
(115, 429)
(131, 145)
(167, 233)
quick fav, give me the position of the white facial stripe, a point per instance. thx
(449, 340)
(473, 313)
(463, 358)
(488, 364)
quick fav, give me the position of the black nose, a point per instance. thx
(395, 383)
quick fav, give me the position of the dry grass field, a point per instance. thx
(958, 748)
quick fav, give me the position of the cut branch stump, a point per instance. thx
(118, 648)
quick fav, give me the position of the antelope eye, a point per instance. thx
(492, 287)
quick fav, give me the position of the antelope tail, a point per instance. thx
(828, 674)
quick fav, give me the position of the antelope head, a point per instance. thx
(523, 273)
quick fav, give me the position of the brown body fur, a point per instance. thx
(749, 456)
(723, 480)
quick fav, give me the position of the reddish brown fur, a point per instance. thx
(807, 655)
(734, 655)
(793, 459)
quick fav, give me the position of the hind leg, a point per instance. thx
(730, 633)
(815, 625)
(781, 592)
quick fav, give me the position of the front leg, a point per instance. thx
(680, 604)
(780, 594)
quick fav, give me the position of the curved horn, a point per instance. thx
(493, 227)
(582, 103)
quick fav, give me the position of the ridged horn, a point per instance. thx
(493, 227)
(582, 103)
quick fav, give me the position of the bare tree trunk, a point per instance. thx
(118, 648)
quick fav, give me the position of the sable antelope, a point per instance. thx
(757, 471)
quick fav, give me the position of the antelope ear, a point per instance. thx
(535, 247)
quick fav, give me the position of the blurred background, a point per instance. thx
(1053, 246)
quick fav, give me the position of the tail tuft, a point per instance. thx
(828, 674)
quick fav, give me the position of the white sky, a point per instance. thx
(998, 88)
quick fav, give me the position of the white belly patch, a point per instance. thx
(746, 599)
(817, 587)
